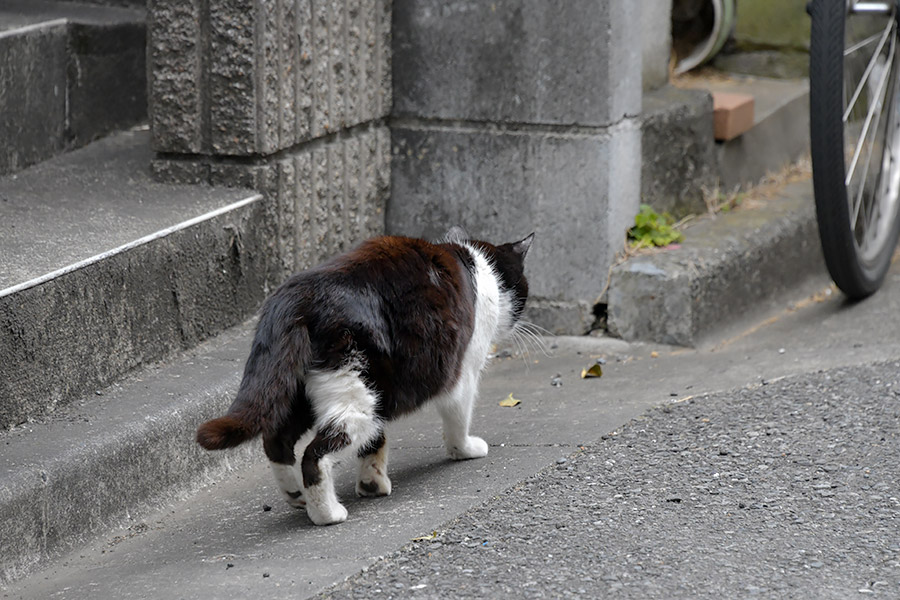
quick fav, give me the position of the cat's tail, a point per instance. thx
(279, 357)
(224, 432)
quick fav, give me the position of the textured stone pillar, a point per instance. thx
(285, 96)
(516, 116)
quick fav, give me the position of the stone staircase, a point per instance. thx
(131, 261)
(107, 277)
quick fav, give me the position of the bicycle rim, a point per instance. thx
(855, 135)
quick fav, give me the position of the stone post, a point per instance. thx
(513, 116)
(288, 97)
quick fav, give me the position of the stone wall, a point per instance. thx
(517, 116)
(288, 97)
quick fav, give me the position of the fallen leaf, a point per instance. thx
(425, 538)
(654, 354)
(595, 370)
(509, 401)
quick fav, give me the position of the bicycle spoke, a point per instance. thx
(861, 44)
(865, 76)
(880, 97)
(864, 134)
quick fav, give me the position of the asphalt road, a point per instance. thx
(782, 490)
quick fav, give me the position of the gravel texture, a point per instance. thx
(782, 490)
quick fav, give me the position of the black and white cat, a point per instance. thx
(370, 335)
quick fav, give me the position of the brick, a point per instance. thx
(732, 114)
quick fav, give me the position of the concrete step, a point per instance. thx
(780, 132)
(682, 162)
(69, 74)
(122, 452)
(726, 267)
(103, 270)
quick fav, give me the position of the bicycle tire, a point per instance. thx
(858, 274)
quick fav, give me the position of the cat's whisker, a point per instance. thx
(536, 341)
(536, 328)
(527, 345)
(519, 347)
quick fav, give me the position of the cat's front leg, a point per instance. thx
(373, 478)
(456, 411)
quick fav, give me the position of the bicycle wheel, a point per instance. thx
(855, 138)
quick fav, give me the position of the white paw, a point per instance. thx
(373, 485)
(473, 447)
(328, 514)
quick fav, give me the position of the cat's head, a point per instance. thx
(508, 261)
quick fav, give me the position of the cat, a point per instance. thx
(368, 336)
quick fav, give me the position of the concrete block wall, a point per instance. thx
(517, 116)
(289, 97)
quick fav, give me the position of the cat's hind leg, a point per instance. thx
(373, 478)
(322, 504)
(456, 409)
(346, 420)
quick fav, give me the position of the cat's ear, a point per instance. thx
(455, 235)
(521, 247)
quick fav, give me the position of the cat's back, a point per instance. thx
(397, 265)
(387, 277)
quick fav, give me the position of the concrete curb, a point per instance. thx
(725, 267)
(114, 455)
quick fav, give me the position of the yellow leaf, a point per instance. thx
(594, 370)
(654, 354)
(425, 538)
(509, 401)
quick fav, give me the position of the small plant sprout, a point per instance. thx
(652, 229)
